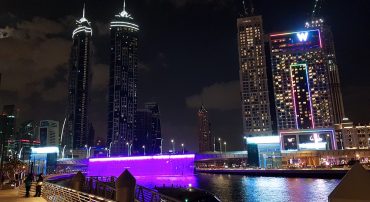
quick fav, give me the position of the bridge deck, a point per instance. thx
(11, 195)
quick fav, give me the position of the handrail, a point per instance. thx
(56, 193)
(142, 194)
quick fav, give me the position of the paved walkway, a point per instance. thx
(11, 195)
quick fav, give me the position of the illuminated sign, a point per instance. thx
(293, 41)
(44, 150)
(263, 140)
(302, 36)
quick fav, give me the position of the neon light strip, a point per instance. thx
(136, 29)
(127, 23)
(307, 131)
(286, 33)
(133, 158)
(320, 38)
(82, 29)
(310, 97)
(293, 96)
(320, 145)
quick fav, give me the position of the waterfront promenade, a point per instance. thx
(11, 195)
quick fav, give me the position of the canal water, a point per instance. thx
(234, 188)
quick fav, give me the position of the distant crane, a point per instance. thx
(251, 12)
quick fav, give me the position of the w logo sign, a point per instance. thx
(302, 36)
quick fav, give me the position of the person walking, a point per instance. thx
(39, 185)
(28, 183)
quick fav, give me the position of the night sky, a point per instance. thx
(188, 53)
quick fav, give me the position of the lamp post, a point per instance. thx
(71, 152)
(245, 139)
(225, 146)
(173, 146)
(161, 146)
(214, 144)
(182, 145)
(64, 147)
(110, 149)
(144, 149)
(128, 148)
(89, 152)
(20, 153)
(219, 140)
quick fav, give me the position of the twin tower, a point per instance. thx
(122, 104)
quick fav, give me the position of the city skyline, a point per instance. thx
(158, 71)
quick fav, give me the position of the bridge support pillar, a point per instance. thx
(78, 181)
(125, 187)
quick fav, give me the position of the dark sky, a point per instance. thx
(188, 53)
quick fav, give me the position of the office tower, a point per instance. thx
(122, 82)
(7, 129)
(49, 133)
(302, 90)
(204, 131)
(156, 132)
(76, 132)
(350, 136)
(148, 130)
(253, 77)
(28, 136)
(336, 100)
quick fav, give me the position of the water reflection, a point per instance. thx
(242, 188)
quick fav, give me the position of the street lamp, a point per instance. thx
(20, 153)
(144, 149)
(109, 150)
(128, 148)
(245, 138)
(64, 147)
(225, 146)
(219, 140)
(214, 144)
(182, 145)
(173, 146)
(71, 152)
(87, 151)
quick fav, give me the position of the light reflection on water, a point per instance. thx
(242, 188)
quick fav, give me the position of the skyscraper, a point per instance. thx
(253, 76)
(336, 100)
(302, 90)
(79, 79)
(204, 130)
(156, 132)
(49, 133)
(122, 82)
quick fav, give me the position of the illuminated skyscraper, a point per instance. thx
(336, 100)
(122, 82)
(302, 90)
(204, 130)
(76, 134)
(253, 77)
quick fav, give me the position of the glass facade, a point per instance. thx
(122, 82)
(76, 134)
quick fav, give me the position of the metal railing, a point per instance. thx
(105, 187)
(56, 193)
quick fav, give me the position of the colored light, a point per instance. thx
(310, 97)
(162, 165)
(302, 36)
(293, 96)
(263, 140)
(44, 150)
(318, 145)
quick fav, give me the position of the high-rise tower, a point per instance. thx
(253, 77)
(76, 134)
(336, 100)
(122, 82)
(204, 130)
